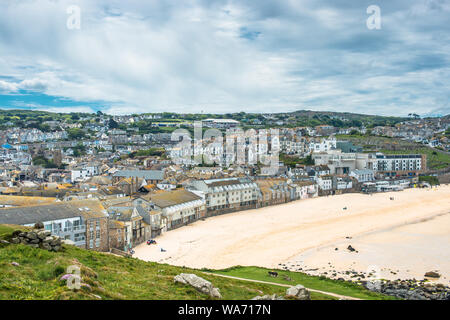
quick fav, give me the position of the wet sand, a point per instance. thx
(408, 235)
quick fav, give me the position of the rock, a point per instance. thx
(32, 235)
(15, 264)
(350, 248)
(16, 233)
(299, 292)
(268, 297)
(198, 283)
(39, 225)
(4, 242)
(45, 246)
(48, 239)
(432, 274)
(55, 242)
(43, 234)
(15, 240)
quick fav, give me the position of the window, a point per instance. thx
(79, 237)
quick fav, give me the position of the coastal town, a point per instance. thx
(110, 183)
(224, 158)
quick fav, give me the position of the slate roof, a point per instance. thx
(47, 212)
(145, 174)
(172, 198)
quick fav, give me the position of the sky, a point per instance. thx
(221, 56)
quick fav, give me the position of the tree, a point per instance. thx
(112, 124)
(76, 133)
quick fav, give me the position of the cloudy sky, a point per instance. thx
(225, 55)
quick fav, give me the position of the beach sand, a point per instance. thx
(401, 238)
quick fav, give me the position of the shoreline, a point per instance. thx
(302, 232)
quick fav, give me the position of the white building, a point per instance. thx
(399, 163)
(220, 123)
(228, 193)
(364, 175)
(322, 145)
(325, 182)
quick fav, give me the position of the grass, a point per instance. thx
(112, 277)
(313, 282)
(7, 229)
(107, 276)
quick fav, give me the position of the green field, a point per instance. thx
(313, 282)
(112, 277)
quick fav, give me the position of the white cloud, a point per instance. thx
(8, 87)
(191, 56)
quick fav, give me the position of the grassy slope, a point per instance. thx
(113, 277)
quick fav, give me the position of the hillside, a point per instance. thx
(29, 273)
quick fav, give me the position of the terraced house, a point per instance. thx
(227, 195)
(400, 165)
(178, 207)
(273, 191)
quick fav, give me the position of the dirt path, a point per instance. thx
(341, 297)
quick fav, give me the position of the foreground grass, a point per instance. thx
(108, 276)
(313, 282)
(7, 229)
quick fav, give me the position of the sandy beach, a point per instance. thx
(402, 238)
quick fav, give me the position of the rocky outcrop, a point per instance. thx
(299, 292)
(411, 289)
(268, 297)
(432, 274)
(38, 238)
(199, 284)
